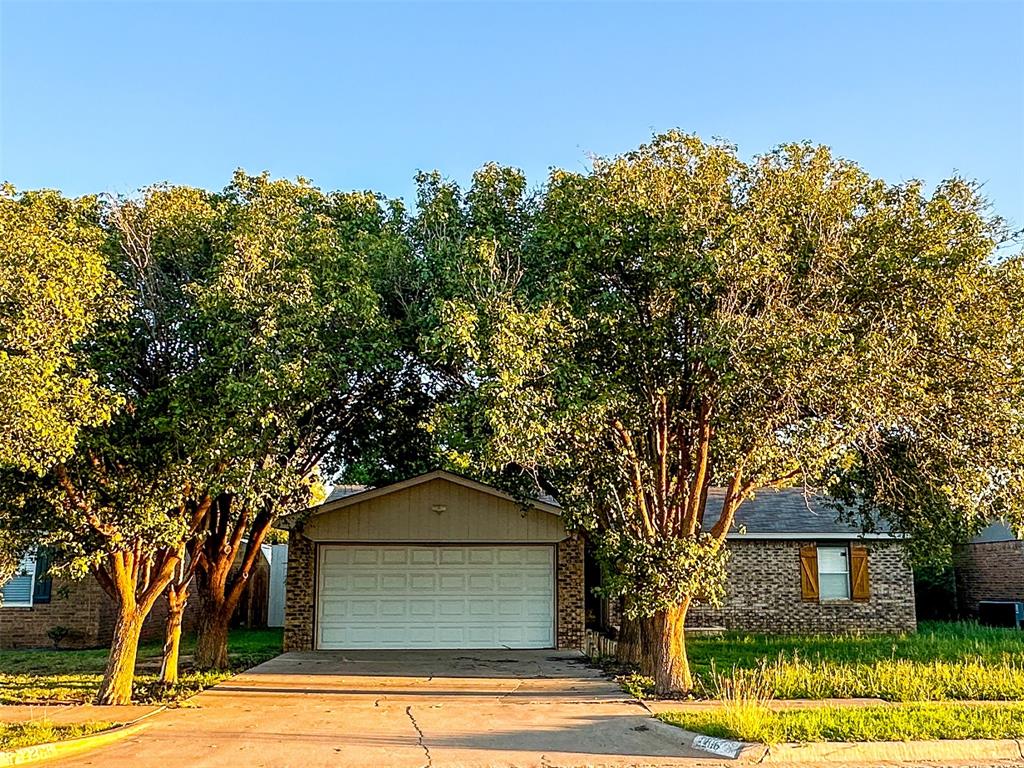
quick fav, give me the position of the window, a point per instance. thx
(18, 590)
(834, 573)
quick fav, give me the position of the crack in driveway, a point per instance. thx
(419, 734)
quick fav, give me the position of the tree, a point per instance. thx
(120, 506)
(304, 369)
(682, 318)
(56, 287)
(962, 465)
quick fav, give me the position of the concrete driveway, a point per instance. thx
(409, 708)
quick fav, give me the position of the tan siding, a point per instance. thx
(407, 515)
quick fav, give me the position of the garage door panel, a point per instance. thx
(393, 582)
(481, 583)
(453, 556)
(452, 582)
(394, 556)
(435, 597)
(423, 582)
(423, 556)
(481, 607)
(480, 556)
(365, 556)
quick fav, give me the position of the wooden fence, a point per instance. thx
(597, 645)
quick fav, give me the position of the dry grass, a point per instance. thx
(16, 735)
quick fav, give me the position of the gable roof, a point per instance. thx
(787, 513)
(996, 531)
(343, 496)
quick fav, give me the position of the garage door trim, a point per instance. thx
(320, 546)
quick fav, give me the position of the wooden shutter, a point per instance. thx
(860, 583)
(809, 572)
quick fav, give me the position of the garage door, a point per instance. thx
(435, 597)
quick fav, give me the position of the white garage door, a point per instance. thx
(435, 597)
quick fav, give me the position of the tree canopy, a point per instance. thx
(683, 318)
(56, 288)
(179, 367)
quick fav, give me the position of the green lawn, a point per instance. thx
(933, 641)
(903, 722)
(74, 676)
(15, 735)
(942, 661)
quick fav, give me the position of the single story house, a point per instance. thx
(990, 567)
(794, 568)
(36, 606)
(442, 561)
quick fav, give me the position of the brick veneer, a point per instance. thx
(764, 594)
(571, 611)
(81, 606)
(991, 570)
(299, 594)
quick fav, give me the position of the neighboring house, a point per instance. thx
(440, 561)
(989, 567)
(793, 568)
(35, 603)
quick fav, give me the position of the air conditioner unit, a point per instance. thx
(1001, 613)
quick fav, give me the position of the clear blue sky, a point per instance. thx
(108, 97)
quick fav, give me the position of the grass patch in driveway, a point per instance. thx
(74, 676)
(17, 735)
(901, 722)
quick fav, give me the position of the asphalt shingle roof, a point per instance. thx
(787, 510)
(341, 491)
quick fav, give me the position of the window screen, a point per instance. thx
(834, 573)
(18, 589)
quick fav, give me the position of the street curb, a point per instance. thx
(699, 742)
(896, 751)
(68, 747)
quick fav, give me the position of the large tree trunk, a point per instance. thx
(177, 599)
(629, 646)
(220, 585)
(664, 652)
(212, 633)
(116, 687)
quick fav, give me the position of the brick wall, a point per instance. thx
(571, 612)
(763, 594)
(84, 608)
(299, 594)
(988, 571)
(76, 605)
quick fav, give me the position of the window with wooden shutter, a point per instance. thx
(809, 572)
(859, 578)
